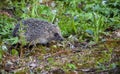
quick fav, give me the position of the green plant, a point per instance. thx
(1, 53)
(6, 26)
(14, 52)
(71, 66)
(102, 62)
(95, 25)
(76, 17)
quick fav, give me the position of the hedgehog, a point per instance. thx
(37, 31)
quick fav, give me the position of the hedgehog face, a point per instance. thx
(58, 37)
(56, 34)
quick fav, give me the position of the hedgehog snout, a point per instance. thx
(58, 37)
(61, 39)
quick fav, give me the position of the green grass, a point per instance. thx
(74, 17)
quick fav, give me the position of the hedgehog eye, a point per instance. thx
(56, 34)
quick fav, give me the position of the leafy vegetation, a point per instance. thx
(86, 23)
